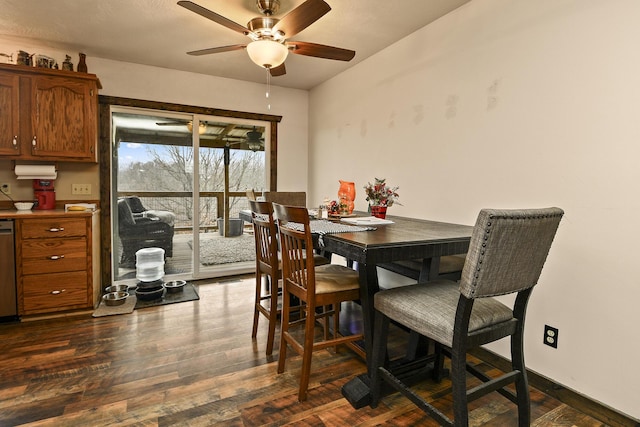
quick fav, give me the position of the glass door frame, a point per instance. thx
(105, 143)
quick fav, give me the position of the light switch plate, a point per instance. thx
(81, 189)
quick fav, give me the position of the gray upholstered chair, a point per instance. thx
(315, 287)
(507, 252)
(137, 232)
(139, 211)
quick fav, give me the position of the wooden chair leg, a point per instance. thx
(380, 333)
(336, 323)
(522, 385)
(325, 310)
(438, 363)
(284, 331)
(273, 316)
(256, 312)
(459, 385)
(307, 352)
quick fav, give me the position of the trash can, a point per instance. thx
(235, 226)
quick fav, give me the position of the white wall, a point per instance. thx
(161, 84)
(508, 103)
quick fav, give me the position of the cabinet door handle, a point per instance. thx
(15, 142)
(56, 257)
(56, 292)
(33, 142)
(55, 230)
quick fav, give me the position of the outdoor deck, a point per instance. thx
(181, 263)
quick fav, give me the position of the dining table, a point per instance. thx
(397, 239)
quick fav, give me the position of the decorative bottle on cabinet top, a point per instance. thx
(82, 65)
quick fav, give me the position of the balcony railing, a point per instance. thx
(181, 204)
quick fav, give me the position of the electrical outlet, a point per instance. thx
(551, 336)
(81, 189)
(6, 188)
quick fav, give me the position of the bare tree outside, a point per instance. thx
(170, 169)
(154, 160)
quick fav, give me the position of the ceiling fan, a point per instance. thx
(254, 140)
(270, 37)
(202, 127)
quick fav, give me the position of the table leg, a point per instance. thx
(357, 390)
(430, 269)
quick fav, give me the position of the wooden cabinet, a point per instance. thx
(57, 263)
(9, 114)
(53, 114)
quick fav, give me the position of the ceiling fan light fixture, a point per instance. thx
(202, 127)
(267, 53)
(254, 139)
(254, 146)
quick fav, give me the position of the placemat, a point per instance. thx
(322, 227)
(110, 310)
(189, 293)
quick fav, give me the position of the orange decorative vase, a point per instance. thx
(347, 194)
(379, 211)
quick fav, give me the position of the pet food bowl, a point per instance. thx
(115, 298)
(175, 286)
(116, 288)
(150, 295)
(23, 206)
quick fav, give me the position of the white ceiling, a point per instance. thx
(159, 32)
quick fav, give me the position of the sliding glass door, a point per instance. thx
(178, 182)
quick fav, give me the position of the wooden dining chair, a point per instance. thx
(268, 269)
(507, 252)
(289, 198)
(450, 267)
(316, 287)
(251, 195)
(267, 266)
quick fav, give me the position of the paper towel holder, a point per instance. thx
(13, 165)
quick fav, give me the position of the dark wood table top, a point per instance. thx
(406, 238)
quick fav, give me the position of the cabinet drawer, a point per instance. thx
(53, 227)
(54, 255)
(53, 292)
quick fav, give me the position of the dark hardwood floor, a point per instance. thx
(195, 364)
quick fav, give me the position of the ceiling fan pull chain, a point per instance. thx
(268, 88)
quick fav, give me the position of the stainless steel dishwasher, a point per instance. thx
(8, 300)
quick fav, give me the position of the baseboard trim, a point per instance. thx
(591, 407)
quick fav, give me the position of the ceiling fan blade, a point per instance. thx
(172, 123)
(280, 70)
(217, 50)
(214, 17)
(321, 51)
(302, 16)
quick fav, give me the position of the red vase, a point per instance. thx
(379, 211)
(347, 194)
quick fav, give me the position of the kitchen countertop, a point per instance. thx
(15, 214)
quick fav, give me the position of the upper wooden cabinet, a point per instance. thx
(9, 114)
(48, 114)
